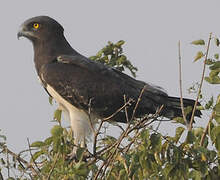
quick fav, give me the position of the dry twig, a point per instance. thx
(181, 88)
(201, 82)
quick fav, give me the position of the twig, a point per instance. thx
(201, 82)
(116, 112)
(20, 160)
(89, 114)
(96, 136)
(8, 169)
(53, 166)
(206, 129)
(181, 88)
(138, 101)
(128, 130)
(126, 133)
(29, 147)
(106, 119)
(126, 109)
(140, 124)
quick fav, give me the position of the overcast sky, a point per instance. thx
(151, 29)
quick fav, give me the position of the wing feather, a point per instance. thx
(79, 80)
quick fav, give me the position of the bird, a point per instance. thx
(87, 91)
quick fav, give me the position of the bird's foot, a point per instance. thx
(78, 154)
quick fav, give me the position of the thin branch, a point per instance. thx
(29, 147)
(181, 88)
(89, 114)
(8, 169)
(20, 160)
(53, 166)
(126, 109)
(128, 130)
(106, 119)
(128, 103)
(206, 129)
(96, 136)
(201, 82)
(138, 101)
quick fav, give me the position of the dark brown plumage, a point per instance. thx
(78, 80)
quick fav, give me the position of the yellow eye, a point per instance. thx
(36, 25)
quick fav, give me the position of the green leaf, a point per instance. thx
(195, 175)
(210, 61)
(57, 115)
(93, 58)
(217, 108)
(120, 43)
(200, 108)
(37, 144)
(10, 178)
(187, 110)
(48, 141)
(198, 131)
(199, 55)
(51, 100)
(210, 103)
(3, 137)
(122, 174)
(198, 42)
(190, 138)
(216, 56)
(210, 130)
(37, 155)
(99, 54)
(217, 142)
(179, 120)
(156, 141)
(215, 65)
(179, 132)
(79, 153)
(217, 119)
(215, 132)
(56, 131)
(214, 73)
(213, 80)
(81, 168)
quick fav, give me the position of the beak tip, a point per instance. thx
(19, 34)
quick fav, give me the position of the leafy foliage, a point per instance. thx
(112, 55)
(140, 152)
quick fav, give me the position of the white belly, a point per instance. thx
(79, 119)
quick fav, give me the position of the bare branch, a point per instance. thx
(181, 88)
(138, 101)
(128, 103)
(201, 82)
(89, 114)
(38, 172)
(206, 129)
(53, 166)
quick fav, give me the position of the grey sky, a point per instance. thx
(151, 29)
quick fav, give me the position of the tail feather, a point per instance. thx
(173, 108)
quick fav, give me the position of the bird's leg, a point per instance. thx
(77, 143)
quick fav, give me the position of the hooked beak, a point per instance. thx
(19, 34)
(23, 32)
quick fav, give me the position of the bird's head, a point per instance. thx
(40, 28)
